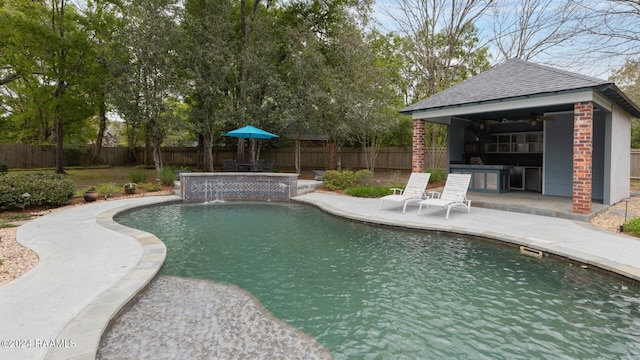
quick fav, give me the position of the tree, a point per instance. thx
(442, 46)
(615, 22)
(336, 94)
(147, 78)
(442, 49)
(47, 48)
(628, 79)
(527, 28)
(375, 79)
(103, 25)
(264, 89)
(245, 28)
(210, 61)
(302, 68)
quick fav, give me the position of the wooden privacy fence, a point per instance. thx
(23, 156)
(635, 163)
(391, 158)
(43, 156)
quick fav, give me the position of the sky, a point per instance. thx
(589, 62)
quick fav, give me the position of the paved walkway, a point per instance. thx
(89, 268)
(60, 308)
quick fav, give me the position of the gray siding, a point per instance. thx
(558, 166)
(597, 184)
(558, 156)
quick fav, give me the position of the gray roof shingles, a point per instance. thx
(513, 78)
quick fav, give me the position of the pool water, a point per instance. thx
(375, 292)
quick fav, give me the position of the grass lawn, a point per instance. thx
(111, 178)
(118, 175)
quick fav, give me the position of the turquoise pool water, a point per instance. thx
(373, 292)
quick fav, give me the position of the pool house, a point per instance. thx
(522, 126)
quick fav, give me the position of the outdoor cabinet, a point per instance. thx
(516, 178)
(520, 142)
(485, 178)
(533, 179)
(526, 178)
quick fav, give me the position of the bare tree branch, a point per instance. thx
(438, 31)
(9, 78)
(526, 28)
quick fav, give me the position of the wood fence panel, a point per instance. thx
(393, 158)
(114, 155)
(635, 164)
(27, 156)
(41, 156)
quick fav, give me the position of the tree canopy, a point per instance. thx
(197, 68)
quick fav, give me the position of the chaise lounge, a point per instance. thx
(454, 194)
(413, 192)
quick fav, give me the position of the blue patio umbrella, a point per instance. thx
(250, 132)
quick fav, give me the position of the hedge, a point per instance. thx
(23, 190)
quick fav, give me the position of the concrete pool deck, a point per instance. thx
(60, 309)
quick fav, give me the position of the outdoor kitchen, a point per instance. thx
(501, 156)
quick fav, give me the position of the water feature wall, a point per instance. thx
(237, 186)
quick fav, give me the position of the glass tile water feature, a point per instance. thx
(366, 291)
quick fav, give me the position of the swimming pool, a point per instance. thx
(365, 291)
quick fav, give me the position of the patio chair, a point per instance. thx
(413, 192)
(242, 166)
(229, 164)
(454, 194)
(268, 165)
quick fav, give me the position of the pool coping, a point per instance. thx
(102, 310)
(566, 238)
(74, 321)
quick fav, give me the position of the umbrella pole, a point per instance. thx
(253, 149)
(240, 155)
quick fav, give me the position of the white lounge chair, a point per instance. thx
(454, 194)
(413, 192)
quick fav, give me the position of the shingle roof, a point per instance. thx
(516, 78)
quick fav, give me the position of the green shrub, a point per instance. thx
(4, 168)
(106, 190)
(166, 176)
(633, 226)
(336, 180)
(137, 177)
(436, 175)
(368, 191)
(43, 189)
(341, 180)
(151, 187)
(364, 177)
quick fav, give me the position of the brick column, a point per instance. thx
(417, 152)
(582, 156)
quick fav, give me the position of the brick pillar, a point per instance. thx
(582, 156)
(417, 152)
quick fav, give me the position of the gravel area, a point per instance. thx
(614, 216)
(180, 318)
(16, 259)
